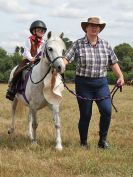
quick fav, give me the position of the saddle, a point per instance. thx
(16, 81)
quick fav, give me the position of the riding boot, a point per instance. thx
(103, 143)
(11, 92)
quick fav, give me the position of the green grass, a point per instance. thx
(20, 158)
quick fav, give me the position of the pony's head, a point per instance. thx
(55, 48)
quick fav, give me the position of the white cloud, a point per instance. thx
(125, 5)
(80, 4)
(11, 6)
(128, 16)
(42, 2)
(27, 17)
(71, 12)
(15, 39)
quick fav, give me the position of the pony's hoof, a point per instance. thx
(34, 143)
(59, 148)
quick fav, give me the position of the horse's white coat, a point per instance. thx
(41, 94)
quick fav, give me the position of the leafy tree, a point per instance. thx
(3, 53)
(16, 59)
(7, 62)
(68, 42)
(124, 50)
(21, 50)
(124, 53)
(127, 64)
(17, 49)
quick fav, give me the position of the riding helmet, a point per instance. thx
(37, 24)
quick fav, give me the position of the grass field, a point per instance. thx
(19, 158)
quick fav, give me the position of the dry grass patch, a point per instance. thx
(19, 158)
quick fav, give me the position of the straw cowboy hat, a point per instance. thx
(93, 20)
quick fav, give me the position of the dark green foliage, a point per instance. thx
(68, 42)
(70, 75)
(111, 77)
(129, 76)
(123, 51)
(7, 62)
(19, 50)
(71, 66)
(3, 53)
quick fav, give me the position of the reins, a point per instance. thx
(40, 79)
(112, 93)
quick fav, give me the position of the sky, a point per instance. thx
(64, 16)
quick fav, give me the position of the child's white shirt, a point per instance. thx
(27, 49)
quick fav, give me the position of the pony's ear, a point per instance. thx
(49, 34)
(61, 35)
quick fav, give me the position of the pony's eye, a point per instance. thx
(50, 49)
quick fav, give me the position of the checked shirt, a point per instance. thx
(92, 61)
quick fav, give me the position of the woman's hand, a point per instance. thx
(65, 61)
(116, 69)
(33, 60)
(120, 81)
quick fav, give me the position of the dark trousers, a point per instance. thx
(93, 88)
(19, 69)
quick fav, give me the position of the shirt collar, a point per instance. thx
(87, 41)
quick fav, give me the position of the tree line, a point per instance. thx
(123, 51)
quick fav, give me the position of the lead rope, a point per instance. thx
(112, 93)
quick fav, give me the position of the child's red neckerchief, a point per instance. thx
(39, 40)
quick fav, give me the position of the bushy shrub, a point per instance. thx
(70, 75)
(111, 77)
(129, 76)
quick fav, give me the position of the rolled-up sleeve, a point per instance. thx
(112, 56)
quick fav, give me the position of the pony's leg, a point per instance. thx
(32, 125)
(55, 112)
(13, 110)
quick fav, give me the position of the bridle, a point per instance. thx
(51, 64)
(52, 61)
